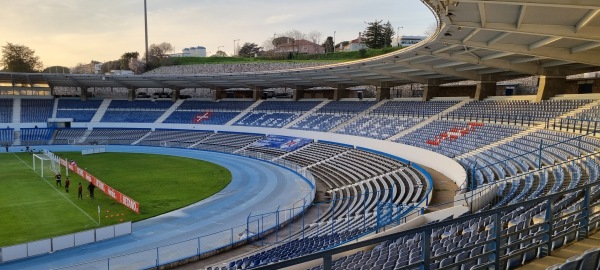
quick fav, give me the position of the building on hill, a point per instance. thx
(300, 46)
(354, 45)
(198, 51)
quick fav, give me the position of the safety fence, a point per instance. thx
(45, 246)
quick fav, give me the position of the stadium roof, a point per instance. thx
(475, 40)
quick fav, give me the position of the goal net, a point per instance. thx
(45, 165)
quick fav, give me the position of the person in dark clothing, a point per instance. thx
(91, 188)
(80, 192)
(67, 183)
(58, 179)
(6, 147)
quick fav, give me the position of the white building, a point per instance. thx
(406, 41)
(194, 52)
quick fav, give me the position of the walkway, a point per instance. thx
(256, 187)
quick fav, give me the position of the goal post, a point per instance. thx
(44, 165)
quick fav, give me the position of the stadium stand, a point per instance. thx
(332, 115)
(207, 112)
(141, 111)
(6, 136)
(30, 136)
(275, 114)
(80, 111)
(36, 110)
(6, 110)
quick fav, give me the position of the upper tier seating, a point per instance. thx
(518, 109)
(332, 115)
(378, 127)
(413, 108)
(194, 117)
(286, 106)
(6, 110)
(346, 107)
(272, 120)
(592, 114)
(141, 111)
(211, 106)
(322, 122)
(36, 110)
(454, 138)
(80, 111)
(276, 114)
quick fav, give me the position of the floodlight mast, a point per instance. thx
(146, 29)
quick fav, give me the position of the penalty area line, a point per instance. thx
(59, 192)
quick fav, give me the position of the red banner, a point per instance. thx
(111, 192)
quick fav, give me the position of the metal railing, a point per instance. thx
(504, 245)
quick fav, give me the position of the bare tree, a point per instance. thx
(136, 66)
(315, 37)
(296, 35)
(431, 29)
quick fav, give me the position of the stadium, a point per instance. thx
(470, 175)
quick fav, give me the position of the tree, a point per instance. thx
(156, 52)
(137, 66)
(431, 29)
(315, 36)
(219, 53)
(19, 58)
(110, 65)
(57, 69)
(388, 34)
(126, 58)
(328, 45)
(378, 35)
(249, 50)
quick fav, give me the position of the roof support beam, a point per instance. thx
(535, 29)
(585, 47)
(547, 52)
(445, 48)
(581, 4)
(471, 35)
(482, 14)
(521, 16)
(525, 60)
(498, 38)
(496, 55)
(543, 42)
(586, 19)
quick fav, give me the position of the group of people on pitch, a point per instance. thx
(90, 187)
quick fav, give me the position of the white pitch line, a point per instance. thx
(27, 203)
(59, 192)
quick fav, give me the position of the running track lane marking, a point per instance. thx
(50, 184)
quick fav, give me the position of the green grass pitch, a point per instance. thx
(33, 208)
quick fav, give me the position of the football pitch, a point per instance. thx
(34, 208)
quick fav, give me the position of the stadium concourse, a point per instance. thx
(527, 166)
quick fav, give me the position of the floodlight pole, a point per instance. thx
(146, 28)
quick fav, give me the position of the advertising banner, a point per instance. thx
(282, 142)
(111, 192)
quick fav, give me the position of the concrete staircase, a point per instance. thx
(142, 138)
(244, 112)
(358, 116)
(101, 110)
(169, 111)
(564, 253)
(85, 136)
(429, 120)
(313, 110)
(16, 117)
(55, 109)
(17, 138)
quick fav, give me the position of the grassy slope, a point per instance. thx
(329, 57)
(33, 208)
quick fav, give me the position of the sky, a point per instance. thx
(68, 32)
